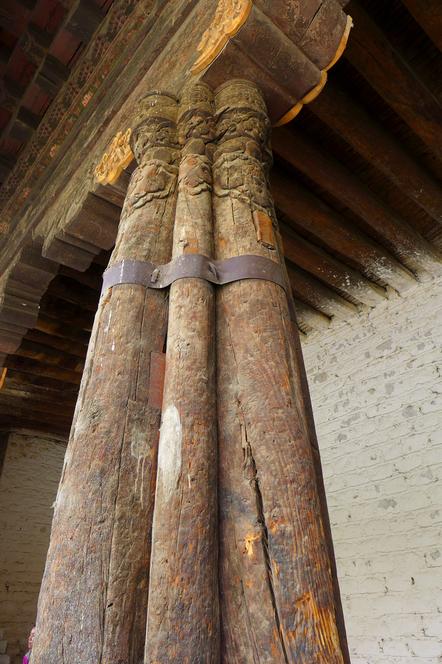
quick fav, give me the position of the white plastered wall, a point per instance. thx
(376, 386)
(28, 485)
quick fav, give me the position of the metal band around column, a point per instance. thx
(219, 273)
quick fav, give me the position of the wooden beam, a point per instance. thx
(59, 410)
(308, 315)
(67, 313)
(428, 13)
(393, 78)
(38, 394)
(22, 287)
(69, 290)
(53, 388)
(345, 116)
(51, 76)
(34, 421)
(345, 187)
(48, 355)
(114, 193)
(332, 272)
(90, 227)
(35, 368)
(92, 278)
(84, 19)
(51, 341)
(6, 166)
(320, 297)
(308, 212)
(55, 327)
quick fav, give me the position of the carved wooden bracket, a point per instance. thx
(229, 17)
(116, 159)
(90, 229)
(284, 47)
(21, 289)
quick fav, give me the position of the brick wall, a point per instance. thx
(377, 397)
(28, 485)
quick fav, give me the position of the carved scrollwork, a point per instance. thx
(116, 159)
(229, 17)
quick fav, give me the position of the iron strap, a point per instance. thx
(196, 266)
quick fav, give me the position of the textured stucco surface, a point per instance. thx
(28, 485)
(377, 397)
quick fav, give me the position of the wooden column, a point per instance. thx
(276, 589)
(183, 623)
(93, 602)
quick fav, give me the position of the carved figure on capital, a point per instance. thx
(242, 176)
(156, 179)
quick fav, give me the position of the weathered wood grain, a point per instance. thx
(329, 270)
(311, 317)
(276, 587)
(183, 620)
(92, 606)
(367, 136)
(318, 295)
(335, 178)
(428, 13)
(309, 213)
(387, 72)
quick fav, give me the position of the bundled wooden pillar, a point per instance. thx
(92, 607)
(269, 597)
(183, 623)
(275, 578)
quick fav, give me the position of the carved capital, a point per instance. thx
(155, 135)
(242, 155)
(195, 120)
(229, 17)
(196, 132)
(116, 159)
(155, 146)
(242, 121)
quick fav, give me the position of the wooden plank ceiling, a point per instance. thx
(356, 182)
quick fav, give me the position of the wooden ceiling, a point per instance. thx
(40, 42)
(356, 182)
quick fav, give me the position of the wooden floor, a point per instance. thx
(356, 183)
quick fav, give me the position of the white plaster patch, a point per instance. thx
(169, 452)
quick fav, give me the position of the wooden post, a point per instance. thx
(276, 590)
(183, 622)
(93, 602)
